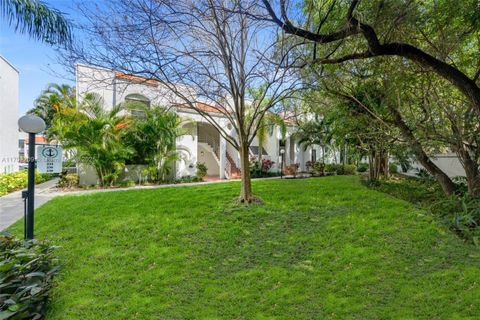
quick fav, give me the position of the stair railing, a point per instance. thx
(212, 142)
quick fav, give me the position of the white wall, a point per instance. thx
(8, 117)
(205, 155)
(448, 163)
(187, 152)
(114, 90)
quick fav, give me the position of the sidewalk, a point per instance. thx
(11, 205)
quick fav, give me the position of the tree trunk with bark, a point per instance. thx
(443, 179)
(246, 195)
(471, 172)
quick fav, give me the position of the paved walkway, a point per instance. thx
(11, 205)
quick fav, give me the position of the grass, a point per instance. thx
(324, 248)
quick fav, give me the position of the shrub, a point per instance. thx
(362, 167)
(201, 170)
(392, 168)
(69, 180)
(310, 164)
(26, 272)
(292, 169)
(459, 212)
(349, 169)
(258, 170)
(187, 179)
(10, 182)
(331, 168)
(255, 169)
(424, 175)
(341, 169)
(127, 183)
(318, 168)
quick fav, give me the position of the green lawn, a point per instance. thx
(323, 248)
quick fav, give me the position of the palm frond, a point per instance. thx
(36, 19)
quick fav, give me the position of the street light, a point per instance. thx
(32, 125)
(282, 153)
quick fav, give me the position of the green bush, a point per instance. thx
(341, 169)
(349, 169)
(362, 167)
(459, 212)
(318, 168)
(70, 180)
(26, 272)
(10, 182)
(392, 168)
(127, 183)
(331, 167)
(201, 170)
(187, 179)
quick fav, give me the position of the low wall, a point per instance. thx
(448, 163)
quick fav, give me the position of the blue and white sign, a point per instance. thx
(49, 159)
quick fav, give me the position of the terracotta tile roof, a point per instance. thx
(209, 108)
(204, 107)
(137, 79)
(39, 140)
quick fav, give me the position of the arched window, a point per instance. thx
(136, 104)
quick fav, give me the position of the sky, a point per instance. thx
(35, 60)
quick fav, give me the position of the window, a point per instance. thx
(314, 155)
(136, 103)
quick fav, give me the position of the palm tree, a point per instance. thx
(316, 132)
(153, 137)
(52, 100)
(96, 135)
(36, 19)
(266, 127)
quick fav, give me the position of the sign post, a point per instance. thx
(32, 125)
(49, 159)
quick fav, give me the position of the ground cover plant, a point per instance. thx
(326, 248)
(27, 269)
(459, 212)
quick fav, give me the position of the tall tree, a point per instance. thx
(54, 98)
(153, 137)
(206, 51)
(36, 19)
(96, 135)
(414, 30)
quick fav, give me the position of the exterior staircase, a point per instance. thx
(232, 171)
(212, 143)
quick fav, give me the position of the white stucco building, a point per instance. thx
(204, 144)
(9, 84)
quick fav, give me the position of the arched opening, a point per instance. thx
(136, 104)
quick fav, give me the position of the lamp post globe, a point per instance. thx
(32, 125)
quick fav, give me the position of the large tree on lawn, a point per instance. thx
(210, 51)
(418, 31)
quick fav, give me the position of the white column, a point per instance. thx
(223, 156)
(287, 151)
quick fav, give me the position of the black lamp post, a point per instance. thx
(32, 125)
(282, 154)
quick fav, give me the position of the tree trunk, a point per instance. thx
(472, 173)
(246, 195)
(443, 179)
